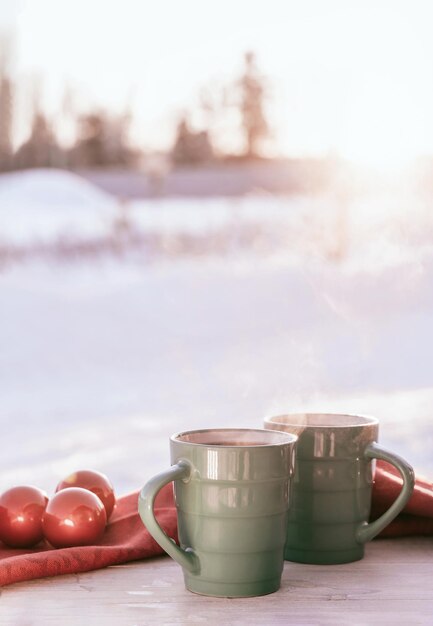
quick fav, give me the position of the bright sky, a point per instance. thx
(345, 76)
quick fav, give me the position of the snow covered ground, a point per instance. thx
(304, 303)
(40, 207)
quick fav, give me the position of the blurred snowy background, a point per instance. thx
(210, 213)
(121, 323)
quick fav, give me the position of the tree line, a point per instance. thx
(102, 138)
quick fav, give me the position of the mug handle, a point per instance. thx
(367, 531)
(181, 470)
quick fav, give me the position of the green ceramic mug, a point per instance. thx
(328, 518)
(232, 490)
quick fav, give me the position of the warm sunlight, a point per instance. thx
(212, 213)
(331, 89)
(384, 124)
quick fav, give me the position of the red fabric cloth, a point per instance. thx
(126, 539)
(416, 517)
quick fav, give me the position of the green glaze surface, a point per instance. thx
(328, 517)
(232, 491)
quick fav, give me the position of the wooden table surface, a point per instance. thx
(393, 584)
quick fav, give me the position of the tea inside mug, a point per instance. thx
(324, 420)
(233, 437)
(235, 444)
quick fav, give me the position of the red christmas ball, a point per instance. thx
(21, 511)
(74, 517)
(94, 481)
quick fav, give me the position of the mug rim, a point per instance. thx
(360, 420)
(287, 438)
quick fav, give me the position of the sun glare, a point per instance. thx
(351, 78)
(382, 128)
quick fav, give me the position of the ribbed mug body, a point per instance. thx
(232, 511)
(332, 486)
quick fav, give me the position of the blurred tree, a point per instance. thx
(191, 148)
(102, 141)
(41, 148)
(252, 98)
(234, 113)
(6, 106)
(89, 149)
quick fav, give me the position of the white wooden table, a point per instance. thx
(393, 584)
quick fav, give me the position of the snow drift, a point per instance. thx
(45, 206)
